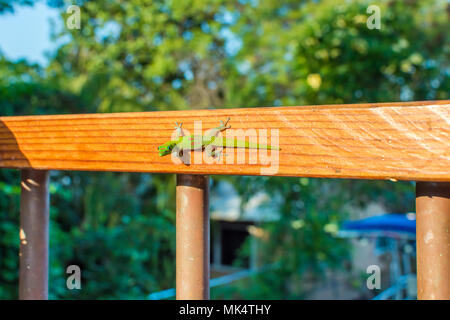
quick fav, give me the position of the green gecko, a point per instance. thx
(209, 142)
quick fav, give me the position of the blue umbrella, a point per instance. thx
(398, 223)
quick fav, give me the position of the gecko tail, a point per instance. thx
(253, 145)
(237, 143)
(268, 147)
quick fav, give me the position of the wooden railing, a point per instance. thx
(394, 141)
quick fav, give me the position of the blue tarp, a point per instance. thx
(400, 223)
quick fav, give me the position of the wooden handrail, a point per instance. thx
(408, 141)
(401, 141)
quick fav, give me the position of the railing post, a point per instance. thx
(34, 217)
(192, 226)
(433, 240)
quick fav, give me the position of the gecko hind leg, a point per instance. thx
(216, 154)
(214, 132)
(224, 125)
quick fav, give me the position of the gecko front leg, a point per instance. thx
(178, 152)
(178, 149)
(179, 129)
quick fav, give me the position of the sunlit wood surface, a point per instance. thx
(399, 141)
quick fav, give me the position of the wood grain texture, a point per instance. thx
(402, 141)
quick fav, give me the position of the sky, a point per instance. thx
(26, 33)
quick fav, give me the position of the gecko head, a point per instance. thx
(165, 149)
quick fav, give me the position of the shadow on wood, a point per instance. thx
(10, 154)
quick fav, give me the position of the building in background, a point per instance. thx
(233, 224)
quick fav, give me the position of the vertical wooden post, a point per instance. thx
(192, 256)
(433, 240)
(34, 217)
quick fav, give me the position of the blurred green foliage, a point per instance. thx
(142, 55)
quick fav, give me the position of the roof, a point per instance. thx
(226, 205)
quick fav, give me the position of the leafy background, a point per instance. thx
(145, 55)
